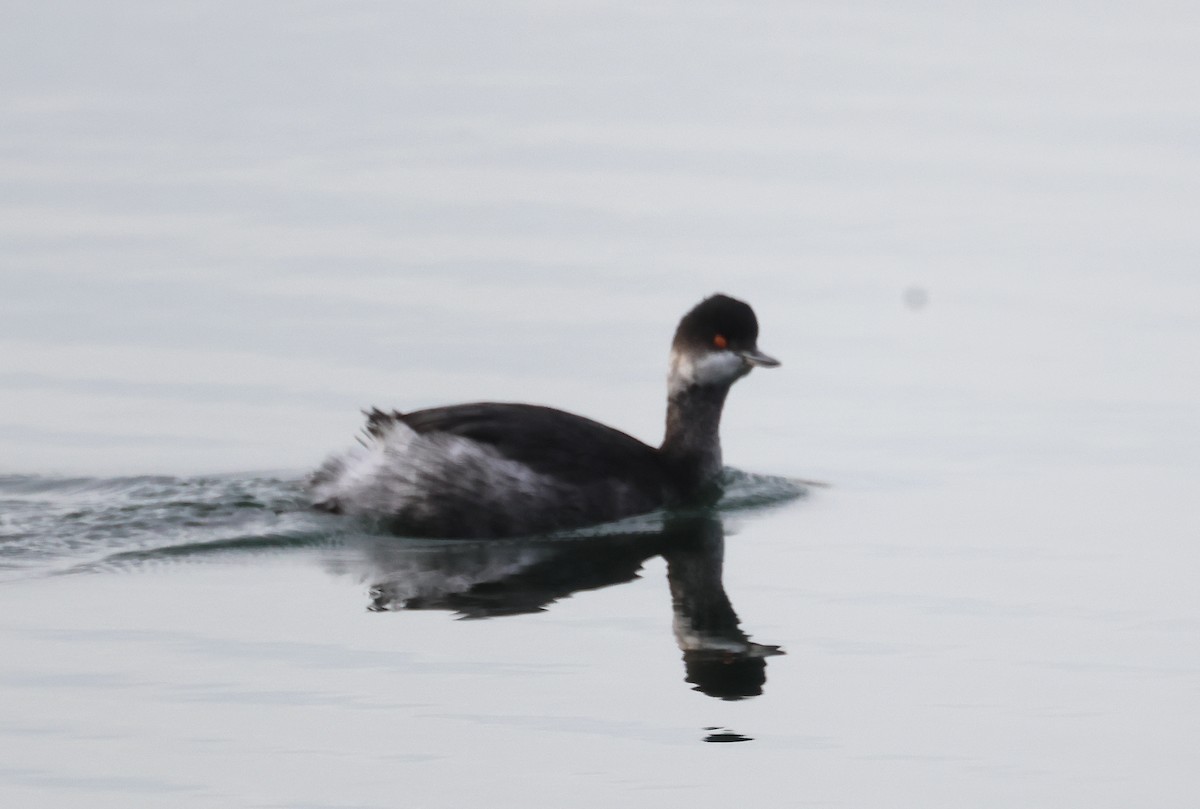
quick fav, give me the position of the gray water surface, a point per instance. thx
(968, 231)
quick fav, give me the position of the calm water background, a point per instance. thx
(969, 231)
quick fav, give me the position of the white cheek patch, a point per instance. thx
(715, 368)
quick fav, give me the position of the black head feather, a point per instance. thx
(717, 316)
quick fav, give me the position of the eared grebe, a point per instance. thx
(492, 470)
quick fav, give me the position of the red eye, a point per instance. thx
(719, 341)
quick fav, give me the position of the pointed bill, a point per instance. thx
(756, 357)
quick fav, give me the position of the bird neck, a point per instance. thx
(691, 447)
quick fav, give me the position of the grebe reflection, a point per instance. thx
(719, 658)
(511, 577)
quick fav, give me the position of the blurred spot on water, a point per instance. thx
(916, 298)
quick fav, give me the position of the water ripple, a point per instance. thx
(54, 525)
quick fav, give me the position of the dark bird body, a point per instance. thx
(496, 469)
